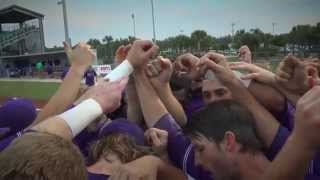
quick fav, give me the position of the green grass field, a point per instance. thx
(31, 90)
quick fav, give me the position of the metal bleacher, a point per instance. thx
(7, 38)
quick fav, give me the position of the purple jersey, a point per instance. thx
(286, 118)
(195, 104)
(64, 73)
(90, 76)
(280, 139)
(180, 149)
(4, 143)
(92, 176)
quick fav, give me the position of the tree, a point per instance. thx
(94, 43)
(199, 36)
(107, 39)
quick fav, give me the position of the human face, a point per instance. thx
(214, 158)
(213, 90)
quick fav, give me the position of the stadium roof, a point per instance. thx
(17, 14)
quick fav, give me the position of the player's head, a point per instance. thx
(41, 156)
(213, 90)
(120, 142)
(17, 114)
(221, 133)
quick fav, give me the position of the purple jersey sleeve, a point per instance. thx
(195, 104)
(4, 143)
(277, 144)
(286, 118)
(180, 149)
(92, 176)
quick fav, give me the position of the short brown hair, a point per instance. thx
(120, 144)
(42, 156)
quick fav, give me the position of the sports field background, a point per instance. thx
(38, 90)
(27, 89)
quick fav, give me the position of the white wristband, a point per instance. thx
(82, 115)
(124, 69)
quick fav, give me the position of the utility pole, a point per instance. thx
(153, 23)
(65, 20)
(134, 25)
(273, 27)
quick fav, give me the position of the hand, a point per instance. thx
(307, 118)
(81, 57)
(143, 168)
(107, 94)
(159, 71)
(255, 72)
(295, 75)
(122, 53)
(187, 63)
(158, 139)
(141, 52)
(219, 65)
(245, 54)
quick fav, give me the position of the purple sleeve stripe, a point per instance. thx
(278, 142)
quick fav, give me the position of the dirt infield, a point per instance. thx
(38, 103)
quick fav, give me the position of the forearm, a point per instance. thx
(56, 126)
(172, 105)
(134, 112)
(70, 123)
(266, 124)
(64, 97)
(292, 161)
(152, 107)
(292, 97)
(268, 96)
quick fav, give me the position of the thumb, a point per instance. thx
(165, 63)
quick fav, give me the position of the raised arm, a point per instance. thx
(81, 58)
(159, 72)
(266, 124)
(303, 144)
(151, 105)
(105, 97)
(263, 86)
(295, 77)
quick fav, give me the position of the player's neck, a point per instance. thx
(101, 167)
(252, 166)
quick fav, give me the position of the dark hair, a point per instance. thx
(219, 117)
(42, 156)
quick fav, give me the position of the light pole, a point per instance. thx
(65, 20)
(134, 25)
(153, 23)
(232, 31)
(273, 27)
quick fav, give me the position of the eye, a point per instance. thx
(199, 148)
(220, 92)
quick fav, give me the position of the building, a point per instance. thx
(22, 42)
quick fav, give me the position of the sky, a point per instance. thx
(98, 18)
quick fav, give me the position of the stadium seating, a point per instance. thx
(7, 38)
